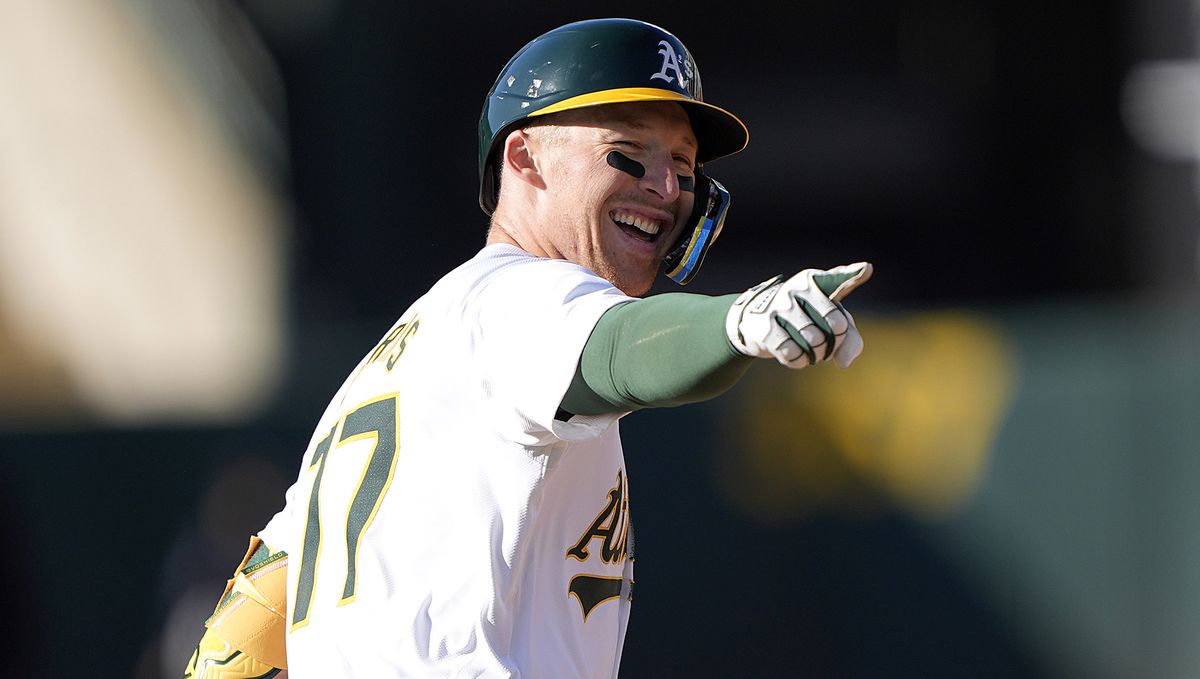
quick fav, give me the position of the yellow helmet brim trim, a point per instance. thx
(638, 94)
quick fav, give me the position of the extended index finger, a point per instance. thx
(840, 281)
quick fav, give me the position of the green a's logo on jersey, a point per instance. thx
(611, 530)
(611, 527)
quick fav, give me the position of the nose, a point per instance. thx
(661, 179)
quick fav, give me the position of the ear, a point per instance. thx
(520, 158)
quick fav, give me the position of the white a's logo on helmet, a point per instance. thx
(671, 63)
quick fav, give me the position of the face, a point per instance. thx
(602, 216)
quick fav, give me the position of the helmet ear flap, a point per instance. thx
(683, 261)
(489, 189)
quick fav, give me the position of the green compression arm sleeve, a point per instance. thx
(665, 350)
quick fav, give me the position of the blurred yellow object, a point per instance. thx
(913, 420)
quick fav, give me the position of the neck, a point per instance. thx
(499, 233)
(516, 227)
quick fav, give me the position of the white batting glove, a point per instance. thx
(799, 321)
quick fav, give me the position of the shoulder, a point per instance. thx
(506, 270)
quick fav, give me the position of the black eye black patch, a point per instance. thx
(626, 164)
(632, 167)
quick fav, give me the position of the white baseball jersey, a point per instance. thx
(444, 523)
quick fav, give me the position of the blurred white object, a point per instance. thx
(140, 247)
(1161, 106)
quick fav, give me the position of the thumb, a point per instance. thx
(840, 281)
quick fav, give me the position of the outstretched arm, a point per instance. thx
(661, 351)
(681, 348)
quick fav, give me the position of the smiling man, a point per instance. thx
(599, 186)
(463, 506)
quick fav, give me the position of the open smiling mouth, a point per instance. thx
(641, 228)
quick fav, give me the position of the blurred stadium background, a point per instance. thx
(210, 209)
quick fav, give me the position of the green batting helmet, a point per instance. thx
(589, 63)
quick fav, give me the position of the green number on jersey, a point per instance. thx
(372, 420)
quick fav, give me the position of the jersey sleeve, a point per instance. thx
(533, 320)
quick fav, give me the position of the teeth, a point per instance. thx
(650, 226)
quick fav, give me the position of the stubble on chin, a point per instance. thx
(604, 258)
(632, 285)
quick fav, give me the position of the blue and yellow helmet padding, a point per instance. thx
(683, 262)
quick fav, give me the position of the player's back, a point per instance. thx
(413, 528)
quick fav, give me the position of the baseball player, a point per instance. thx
(463, 506)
